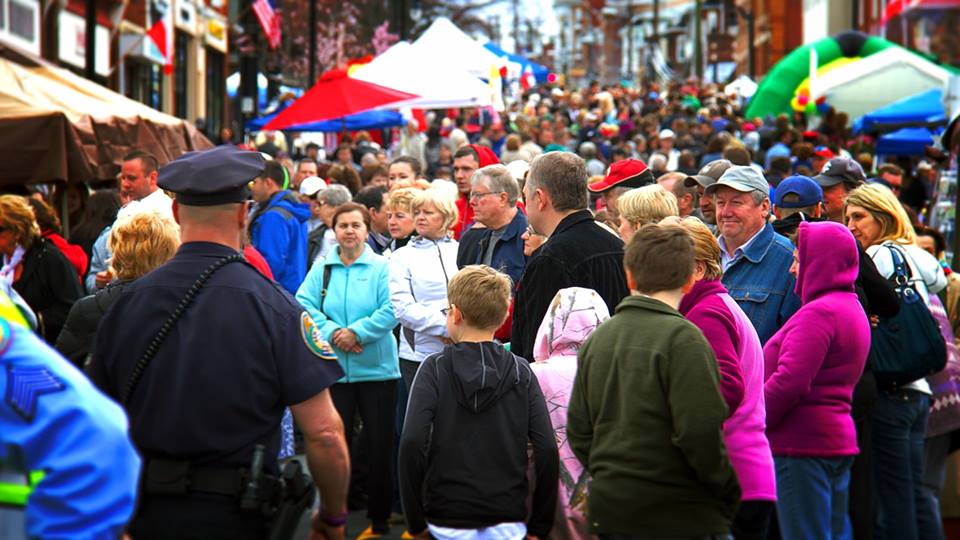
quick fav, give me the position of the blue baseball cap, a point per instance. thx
(809, 192)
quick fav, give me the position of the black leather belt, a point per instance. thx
(177, 477)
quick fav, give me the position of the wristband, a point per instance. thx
(335, 520)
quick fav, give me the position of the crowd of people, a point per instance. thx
(604, 312)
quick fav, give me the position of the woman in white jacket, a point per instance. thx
(899, 417)
(419, 273)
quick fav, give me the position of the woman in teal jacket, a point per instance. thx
(356, 317)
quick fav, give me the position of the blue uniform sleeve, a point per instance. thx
(306, 363)
(53, 421)
(99, 261)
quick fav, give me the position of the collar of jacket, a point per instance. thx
(634, 301)
(333, 258)
(761, 244)
(421, 242)
(571, 220)
(514, 229)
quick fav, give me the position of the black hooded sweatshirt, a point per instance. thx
(473, 409)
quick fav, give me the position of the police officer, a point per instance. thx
(67, 467)
(205, 353)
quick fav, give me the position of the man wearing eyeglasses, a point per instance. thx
(499, 243)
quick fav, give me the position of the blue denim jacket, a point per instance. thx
(761, 283)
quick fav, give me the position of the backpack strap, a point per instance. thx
(327, 270)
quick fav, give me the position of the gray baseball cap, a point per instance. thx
(840, 169)
(741, 178)
(709, 173)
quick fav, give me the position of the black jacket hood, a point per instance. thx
(483, 373)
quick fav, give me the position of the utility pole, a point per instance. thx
(249, 66)
(698, 46)
(656, 22)
(90, 40)
(516, 27)
(630, 39)
(313, 43)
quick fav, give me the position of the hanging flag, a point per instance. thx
(527, 79)
(496, 87)
(269, 21)
(161, 33)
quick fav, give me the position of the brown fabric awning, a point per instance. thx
(55, 125)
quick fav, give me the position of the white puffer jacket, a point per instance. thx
(419, 273)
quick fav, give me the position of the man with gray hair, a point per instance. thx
(578, 253)
(322, 239)
(498, 244)
(686, 195)
(756, 260)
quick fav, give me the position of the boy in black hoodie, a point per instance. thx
(473, 408)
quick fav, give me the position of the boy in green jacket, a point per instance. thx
(646, 412)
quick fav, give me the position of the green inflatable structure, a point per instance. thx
(777, 92)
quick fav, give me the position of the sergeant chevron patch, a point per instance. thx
(25, 385)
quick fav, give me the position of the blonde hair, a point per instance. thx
(18, 217)
(415, 183)
(442, 201)
(883, 205)
(647, 204)
(141, 242)
(482, 295)
(706, 249)
(402, 199)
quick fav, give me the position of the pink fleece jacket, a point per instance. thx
(740, 358)
(814, 361)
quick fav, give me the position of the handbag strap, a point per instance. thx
(901, 270)
(327, 269)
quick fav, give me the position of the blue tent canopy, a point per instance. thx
(366, 120)
(905, 142)
(924, 109)
(539, 72)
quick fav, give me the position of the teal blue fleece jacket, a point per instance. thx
(358, 298)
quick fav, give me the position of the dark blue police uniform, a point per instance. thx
(240, 353)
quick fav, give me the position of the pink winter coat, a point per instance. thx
(573, 315)
(740, 360)
(817, 357)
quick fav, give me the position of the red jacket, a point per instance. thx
(74, 253)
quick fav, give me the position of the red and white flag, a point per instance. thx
(269, 20)
(527, 79)
(161, 33)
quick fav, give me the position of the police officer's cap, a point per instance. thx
(220, 175)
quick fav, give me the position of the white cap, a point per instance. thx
(312, 185)
(518, 169)
(666, 134)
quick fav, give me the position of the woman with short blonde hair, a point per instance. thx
(419, 274)
(140, 243)
(643, 206)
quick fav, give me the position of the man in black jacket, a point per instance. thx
(579, 252)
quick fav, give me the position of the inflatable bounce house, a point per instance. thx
(853, 72)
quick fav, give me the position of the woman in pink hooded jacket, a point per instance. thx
(740, 360)
(811, 367)
(573, 315)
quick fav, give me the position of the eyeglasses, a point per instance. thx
(445, 311)
(476, 196)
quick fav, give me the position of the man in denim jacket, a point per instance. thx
(756, 260)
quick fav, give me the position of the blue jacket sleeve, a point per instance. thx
(89, 469)
(100, 256)
(272, 240)
(382, 320)
(309, 297)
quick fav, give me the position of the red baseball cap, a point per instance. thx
(823, 152)
(627, 173)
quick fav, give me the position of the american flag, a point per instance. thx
(269, 21)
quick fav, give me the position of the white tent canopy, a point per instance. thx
(445, 46)
(402, 67)
(878, 80)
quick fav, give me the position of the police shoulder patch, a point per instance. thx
(25, 385)
(312, 338)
